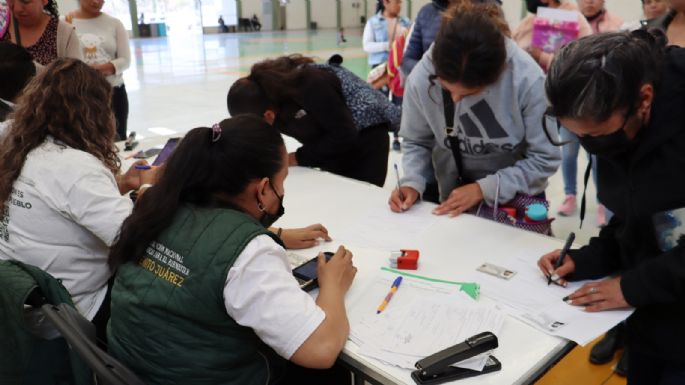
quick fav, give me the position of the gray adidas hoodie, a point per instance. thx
(500, 132)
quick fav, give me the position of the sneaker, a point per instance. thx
(568, 207)
(396, 146)
(601, 215)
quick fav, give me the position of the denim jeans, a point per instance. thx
(569, 162)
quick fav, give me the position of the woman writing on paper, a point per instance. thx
(622, 94)
(201, 280)
(342, 125)
(62, 194)
(499, 100)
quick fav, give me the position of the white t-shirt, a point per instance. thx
(64, 212)
(103, 40)
(262, 294)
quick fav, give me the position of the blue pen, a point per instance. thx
(393, 290)
(143, 167)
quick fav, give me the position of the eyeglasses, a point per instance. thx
(548, 116)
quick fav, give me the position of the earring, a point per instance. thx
(260, 206)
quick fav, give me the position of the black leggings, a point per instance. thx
(102, 317)
(120, 109)
(370, 163)
(295, 374)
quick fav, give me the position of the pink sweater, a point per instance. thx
(523, 34)
(607, 22)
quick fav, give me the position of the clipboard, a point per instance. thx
(437, 369)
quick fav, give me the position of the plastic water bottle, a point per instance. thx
(536, 212)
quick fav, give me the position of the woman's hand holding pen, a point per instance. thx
(547, 262)
(403, 199)
(598, 296)
(460, 200)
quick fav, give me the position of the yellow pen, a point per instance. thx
(393, 290)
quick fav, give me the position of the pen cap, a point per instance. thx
(536, 212)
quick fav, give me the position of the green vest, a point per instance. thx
(169, 322)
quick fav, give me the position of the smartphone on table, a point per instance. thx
(306, 273)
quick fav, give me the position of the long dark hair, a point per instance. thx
(52, 8)
(470, 47)
(68, 101)
(271, 82)
(197, 171)
(596, 76)
(16, 69)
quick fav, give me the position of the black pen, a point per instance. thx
(563, 253)
(397, 174)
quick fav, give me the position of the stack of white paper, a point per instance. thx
(527, 297)
(422, 319)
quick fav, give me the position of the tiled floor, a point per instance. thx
(178, 83)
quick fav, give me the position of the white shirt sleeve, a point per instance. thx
(262, 294)
(95, 203)
(122, 58)
(369, 43)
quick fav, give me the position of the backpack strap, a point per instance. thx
(451, 139)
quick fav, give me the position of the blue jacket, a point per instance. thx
(426, 27)
(380, 34)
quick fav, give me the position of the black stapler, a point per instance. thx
(436, 369)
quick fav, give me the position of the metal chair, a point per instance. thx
(80, 335)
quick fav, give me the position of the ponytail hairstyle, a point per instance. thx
(207, 163)
(277, 80)
(52, 8)
(598, 75)
(380, 7)
(470, 47)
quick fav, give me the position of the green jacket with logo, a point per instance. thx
(169, 322)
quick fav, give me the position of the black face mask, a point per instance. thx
(606, 145)
(613, 144)
(532, 5)
(268, 219)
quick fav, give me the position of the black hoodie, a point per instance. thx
(648, 179)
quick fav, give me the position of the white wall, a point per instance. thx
(351, 12)
(512, 11)
(296, 14)
(629, 10)
(252, 7)
(416, 5)
(324, 13)
(66, 6)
